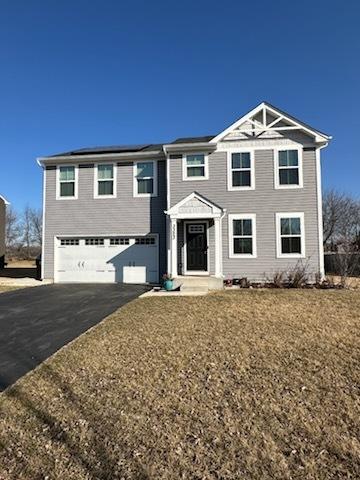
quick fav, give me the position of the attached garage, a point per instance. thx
(107, 259)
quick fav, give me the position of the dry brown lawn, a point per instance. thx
(235, 385)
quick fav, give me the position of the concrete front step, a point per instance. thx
(192, 283)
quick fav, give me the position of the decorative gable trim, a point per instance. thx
(195, 206)
(264, 121)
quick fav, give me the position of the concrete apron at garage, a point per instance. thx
(36, 322)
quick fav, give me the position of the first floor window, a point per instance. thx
(240, 167)
(67, 181)
(288, 166)
(290, 234)
(242, 235)
(145, 178)
(105, 180)
(195, 167)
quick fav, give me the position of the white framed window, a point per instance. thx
(105, 180)
(69, 242)
(242, 235)
(290, 235)
(241, 170)
(288, 168)
(145, 178)
(66, 182)
(94, 241)
(195, 166)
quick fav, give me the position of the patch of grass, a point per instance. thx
(234, 385)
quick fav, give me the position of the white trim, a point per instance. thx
(154, 178)
(185, 167)
(196, 272)
(173, 247)
(43, 225)
(96, 180)
(229, 154)
(278, 217)
(277, 184)
(218, 251)
(262, 107)
(320, 214)
(242, 216)
(76, 181)
(4, 200)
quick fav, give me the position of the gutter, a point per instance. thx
(99, 156)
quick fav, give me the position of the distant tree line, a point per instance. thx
(23, 232)
(341, 216)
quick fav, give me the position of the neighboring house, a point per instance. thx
(3, 204)
(243, 203)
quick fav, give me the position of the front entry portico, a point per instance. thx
(194, 237)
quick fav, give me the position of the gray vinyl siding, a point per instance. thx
(265, 201)
(86, 215)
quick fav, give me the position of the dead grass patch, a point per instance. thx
(235, 385)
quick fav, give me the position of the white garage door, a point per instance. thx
(107, 259)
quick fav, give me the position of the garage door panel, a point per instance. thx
(129, 260)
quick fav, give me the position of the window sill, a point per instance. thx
(192, 179)
(242, 255)
(66, 198)
(290, 255)
(240, 189)
(104, 196)
(145, 195)
(287, 187)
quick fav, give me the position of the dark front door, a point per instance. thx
(196, 247)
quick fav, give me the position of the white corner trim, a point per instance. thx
(320, 213)
(43, 225)
(76, 187)
(229, 153)
(155, 179)
(114, 179)
(277, 185)
(278, 217)
(242, 216)
(184, 167)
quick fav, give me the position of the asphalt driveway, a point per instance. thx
(36, 322)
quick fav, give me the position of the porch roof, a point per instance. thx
(195, 206)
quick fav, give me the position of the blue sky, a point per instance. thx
(80, 73)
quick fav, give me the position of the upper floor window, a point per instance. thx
(66, 182)
(145, 179)
(288, 168)
(195, 167)
(241, 171)
(290, 234)
(242, 235)
(105, 180)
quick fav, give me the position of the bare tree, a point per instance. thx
(12, 227)
(26, 230)
(341, 214)
(36, 225)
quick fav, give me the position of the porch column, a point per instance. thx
(218, 252)
(173, 247)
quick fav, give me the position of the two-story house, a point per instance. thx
(243, 203)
